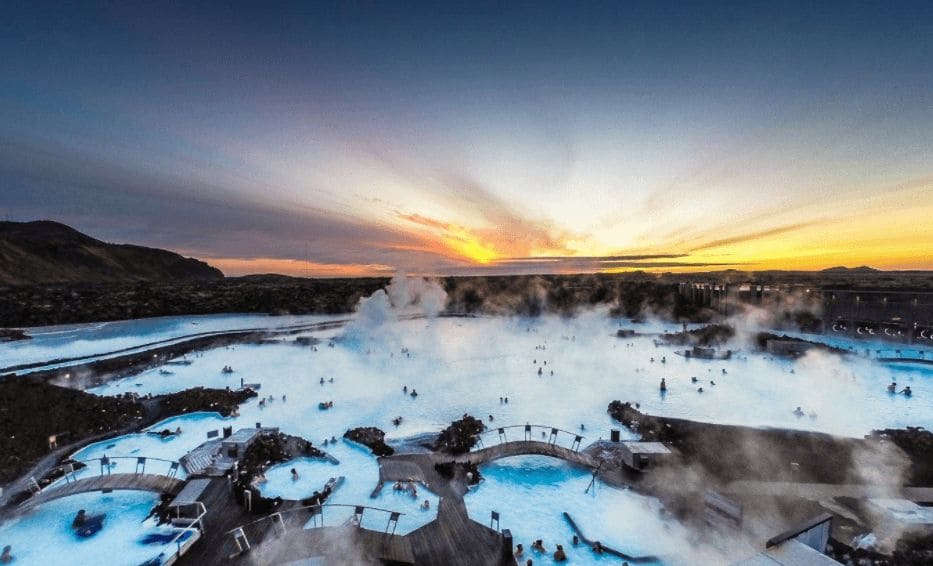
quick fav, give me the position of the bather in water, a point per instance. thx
(86, 526)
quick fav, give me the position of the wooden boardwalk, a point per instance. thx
(107, 482)
(454, 539)
(340, 545)
(522, 448)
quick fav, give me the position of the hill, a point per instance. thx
(46, 252)
(853, 270)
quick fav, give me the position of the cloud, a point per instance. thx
(748, 236)
(127, 203)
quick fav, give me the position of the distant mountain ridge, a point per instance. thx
(47, 252)
(843, 269)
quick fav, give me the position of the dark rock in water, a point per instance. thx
(13, 335)
(709, 335)
(269, 449)
(371, 437)
(466, 470)
(460, 436)
(202, 399)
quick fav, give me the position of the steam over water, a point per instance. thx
(462, 365)
(465, 365)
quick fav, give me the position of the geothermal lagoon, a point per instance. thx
(553, 372)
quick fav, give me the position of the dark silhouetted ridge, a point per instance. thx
(842, 269)
(46, 252)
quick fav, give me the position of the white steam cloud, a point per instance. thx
(404, 296)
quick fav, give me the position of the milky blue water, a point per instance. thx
(361, 473)
(466, 365)
(531, 493)
(44, 537)
(91, 340)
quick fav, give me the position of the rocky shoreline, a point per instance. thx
(28, 423)
(731, 453)
(460, 436)
(711, 456)
(371, 437)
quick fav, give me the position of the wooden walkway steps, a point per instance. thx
(115, 482)
(197, 461)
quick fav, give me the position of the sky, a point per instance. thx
(360, 138)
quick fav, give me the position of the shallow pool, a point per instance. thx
(123, 451)
(43, 536)
(361, 476)
(531, 493)
(471, 366)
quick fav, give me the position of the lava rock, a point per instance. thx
(371, 437)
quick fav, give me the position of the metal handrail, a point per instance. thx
(191, 526)
(494, 428)
(318, 506)
(147, 458)
(104, 460)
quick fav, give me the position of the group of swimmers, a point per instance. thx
(905, 391)
(410, 487)
(331, 380)
(333, 440)
(414, 392)
(227, 369)
(560, 555)
(663, 386)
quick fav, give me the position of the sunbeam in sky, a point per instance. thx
(353, 138)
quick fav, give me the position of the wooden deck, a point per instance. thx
(223, 514)
(340, 545)
(107, 482)
(451, 539)
(454, 539)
